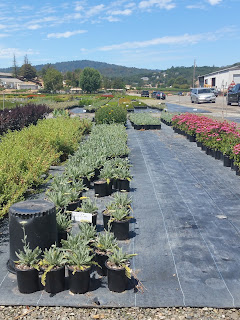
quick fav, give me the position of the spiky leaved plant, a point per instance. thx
(73, 242)
(106, 242)
(28, 257)
(120, 214)
(64, 222)
(80, 258)
(52, 258)
(88, 206)
(120, 259)
(87, 232)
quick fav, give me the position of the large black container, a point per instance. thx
(105, 221)
(117, 279)
(27, 280)
(39, 220)
(226, 161)
(79, 281)
(55, 280)
(123, 185)
(101, 188)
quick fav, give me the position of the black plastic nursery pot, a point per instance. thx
(123, 185)
(102, 188)
(226, 161)
(79, 281)
(101, 259)
(55, 280)
(117, 279)
(217, 155)
(86, 182)
(73, 205)
(62, 235)
(39, 220)
(27, 280)
(120, 229)
(106, 219)
(94, 218)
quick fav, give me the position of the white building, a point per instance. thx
(27, 86)
(220, 79)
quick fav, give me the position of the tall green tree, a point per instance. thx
(53, 80)
(90, 80)
(27, 71)
(14, 67)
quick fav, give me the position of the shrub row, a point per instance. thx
(27, 154)
(20, 117)
(111, 114)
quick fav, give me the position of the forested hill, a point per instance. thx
(106, 69)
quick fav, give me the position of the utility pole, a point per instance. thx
(3, 101)
(194, 70)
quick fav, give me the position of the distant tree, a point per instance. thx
(15, 67)
(27, 71)
(106, 83)
(118, 84)
(90, 79)
(53, 80)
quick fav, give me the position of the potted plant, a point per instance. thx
(119, 222)
(53, 266)
(79, 262)
(87, 232)
(123, 178)
(104, 245)
(103, 187)
(27, 267)
(89, 206)
(120, 200)
(118, 270)
(64, 225)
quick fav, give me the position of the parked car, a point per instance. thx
(145, 93)
(213, 90)
(233, 95)
(160, 95)
(200, 95)
(153, 94)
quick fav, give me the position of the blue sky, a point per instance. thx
(154, 34)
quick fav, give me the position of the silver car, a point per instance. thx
(200, 95)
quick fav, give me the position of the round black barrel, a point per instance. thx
(38, 217)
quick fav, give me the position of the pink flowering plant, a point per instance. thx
(217, 135)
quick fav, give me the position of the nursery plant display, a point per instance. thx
(104, 245)
(118, 271)
(27, 267)
(119, 222)
(111, 114)
(64, 225)
(89, 206)
(221, 139)
(166, 117)
(144, 121)
(53, 267)
(27, 155)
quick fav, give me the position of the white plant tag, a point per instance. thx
(81, 216)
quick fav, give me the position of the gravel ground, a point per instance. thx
(60, 313)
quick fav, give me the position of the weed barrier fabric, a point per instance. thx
(186, 231)
(171, 107)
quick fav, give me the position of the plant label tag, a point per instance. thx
(81, 216)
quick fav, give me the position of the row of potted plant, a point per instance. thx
(144, 121)
(78, 254)
(166, 118)
(221, 139)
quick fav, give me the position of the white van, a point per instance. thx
(200, 95)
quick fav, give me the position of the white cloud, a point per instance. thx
(95, 10)
(112, 19)
(196, 6)
(3, 35)
(162, 4)
(5, 53)
(170, 40)
(125, 12)
(66, 34)
(214, 2)
(34, 27)
(2, 26)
